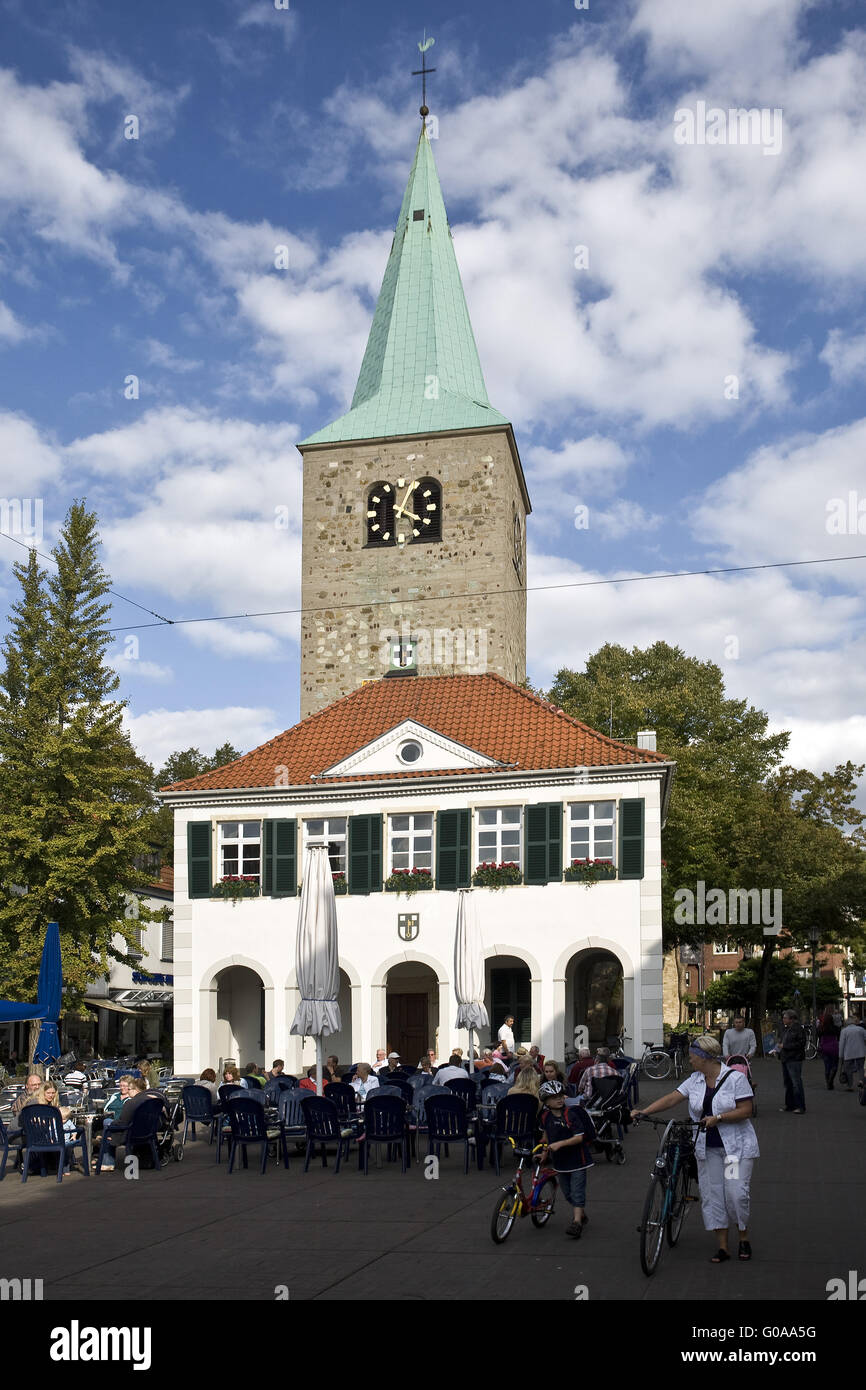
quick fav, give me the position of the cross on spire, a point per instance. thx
(424, 72)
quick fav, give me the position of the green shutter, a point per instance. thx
(198, 838)
(543, 836)
(452, 849)
(280, 859)
(631, 837)
(365, 854)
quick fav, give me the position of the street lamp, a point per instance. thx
(814, 938)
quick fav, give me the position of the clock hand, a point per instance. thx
(400, 511)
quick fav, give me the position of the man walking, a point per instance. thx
(506, 1033)
(852, 1051)
(791, 1048)
(739, 1041)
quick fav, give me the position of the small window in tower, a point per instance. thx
(418, 215)
(380, 515)
(427, 506)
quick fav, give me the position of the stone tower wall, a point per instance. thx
(353, 594)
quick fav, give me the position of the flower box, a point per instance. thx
(496, 875)
(340, 884)
(233, 888)
(589, 871)
(409, 881)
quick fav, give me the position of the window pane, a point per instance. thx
(399, 822)
(486, 817)
(337, 825)
(423, 846)
(251, 829)
(229, 830)
(511, 837)
(604, 810)
(315, 827)
(230, 865)
(603, 847)
(401, 861)
(423, 861)
(400, 845)
(511, 815)
(580, 811)
(487, 839)
(424, 822)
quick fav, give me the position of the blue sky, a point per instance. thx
(698, 385)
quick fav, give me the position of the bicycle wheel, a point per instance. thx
(504, 1215)
(679, 1198)
(652, 1226)
(542, 1202)
(657, 1065)
(811, 1051)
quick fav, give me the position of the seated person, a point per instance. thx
(551, 1071)
(150, 1074)
(48, 1096)
(526, 1082)
(600, 1067)
(231, 1075)
(497, 1073)
(364, 1081)
(392, 1069)
(537, 1057)
(502, 1054)
(115, 1133)
(30, 1094)
(277, 1069)
(209, 1082)
(485, 1061)
(331, 1065)
(308, 1083)
(454, 1071)
(584, 1061)
(381, 1060)
(425, 1067)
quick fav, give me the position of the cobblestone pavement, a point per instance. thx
(191, 1231)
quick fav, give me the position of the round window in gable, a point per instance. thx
(410, 751)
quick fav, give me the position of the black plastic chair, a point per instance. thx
(345, 1099)
(516, 1118)
(198, 1108)
(9, 1139)
(384, 1123)
(467, 1092)
(141, 1133)
(448, 1123)
(227, 1091)
(322, 1123)
(44, 1134)
(248, 1126)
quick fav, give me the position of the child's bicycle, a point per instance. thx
(514, 1202)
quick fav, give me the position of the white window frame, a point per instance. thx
(166, 938)
(590, 822)
(412, 834)
(483, 857)
(724, 948)
(329, 837)
(241, 841)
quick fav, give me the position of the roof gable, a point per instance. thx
(383, 755)
(486, 716)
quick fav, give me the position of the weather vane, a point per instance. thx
(423, 72)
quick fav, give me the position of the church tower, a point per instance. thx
(414, 501)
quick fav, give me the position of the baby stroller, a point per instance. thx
(608, 1109)
(168, 1145)
(739, 1063)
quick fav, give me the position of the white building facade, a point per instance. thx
(418, 794)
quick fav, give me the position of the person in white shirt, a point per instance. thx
(453, 1072)
(363, 1082)
(381, 1060)
(739, 1041)
(852, 1051)
(726, 1146)
(506, 1033)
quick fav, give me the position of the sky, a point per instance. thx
(667, 301)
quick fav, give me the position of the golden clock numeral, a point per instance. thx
(371, 514)
(401, 482)
(386, 488)
(427, 492)
(375, 528)
(431, 506)
(426, 521)
(415, 531)
(377, 500)
(386, 536)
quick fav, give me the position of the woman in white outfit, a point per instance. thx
(727, 1145)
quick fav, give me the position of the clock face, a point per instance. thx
(405, 512)
(518, 544)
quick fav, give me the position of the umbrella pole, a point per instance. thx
(319, 1053)
(471, 1058)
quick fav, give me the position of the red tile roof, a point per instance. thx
(486, 713)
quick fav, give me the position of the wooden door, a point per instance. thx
(408, 1026)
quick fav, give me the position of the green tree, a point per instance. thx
(736, 818)
(739, 989)
(74, 797)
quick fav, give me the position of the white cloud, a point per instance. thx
(129, 666)
(623, 518)
(819, 744)
(29, 462)
(845, 355)
(12, 330)
(160, 732)
(792, 501)
(751, 39)
(162, 355)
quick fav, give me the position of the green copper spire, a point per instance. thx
(420, 372)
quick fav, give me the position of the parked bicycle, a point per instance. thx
(514, 1202)
(669, 1193)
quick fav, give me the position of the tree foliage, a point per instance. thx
(785, 988)
(74, 796)
(187, 762)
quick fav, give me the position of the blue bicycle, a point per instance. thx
(669, 1193)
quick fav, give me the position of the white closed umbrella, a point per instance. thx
(469, 970)
(316, 955)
